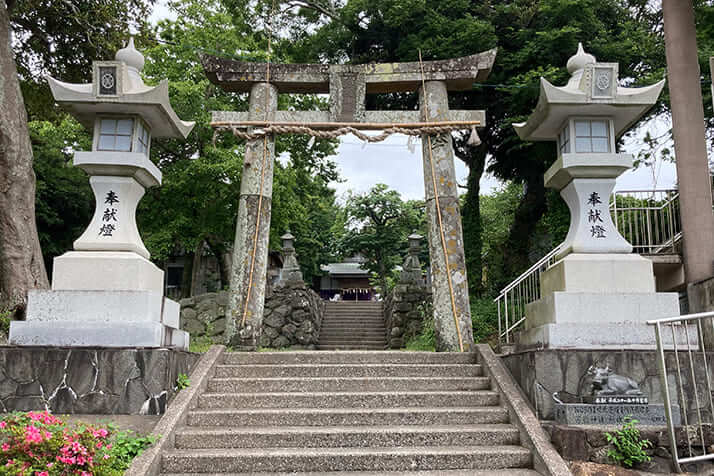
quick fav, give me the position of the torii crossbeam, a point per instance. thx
(348, 86)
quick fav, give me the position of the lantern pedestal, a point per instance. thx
(106, 293)
(598, 301)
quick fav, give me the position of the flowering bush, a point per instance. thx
(39, 444)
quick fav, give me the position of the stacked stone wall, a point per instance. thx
(292, 317)
(404, 311)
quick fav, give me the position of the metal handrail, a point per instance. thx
(512, 300)
(651, 223)
(682, 328)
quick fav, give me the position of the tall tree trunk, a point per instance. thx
(224, 259)
(187, 275)
(196, 269)
(475, 160)
(517, 247)
(21, 264)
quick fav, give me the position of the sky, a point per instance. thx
(392, 163)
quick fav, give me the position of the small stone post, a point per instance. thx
(250, 260)
(433, 99)
(290, 272)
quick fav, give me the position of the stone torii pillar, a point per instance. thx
(348, 86)
(695, 193)
(446, 241)
(250, 255)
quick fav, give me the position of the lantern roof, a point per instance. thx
(592, 90)
(117, 88)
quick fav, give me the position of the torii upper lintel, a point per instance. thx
(458, 74)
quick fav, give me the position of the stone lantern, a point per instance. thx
(106, 292)
(411, 268)
(597, 294)
(290, 272)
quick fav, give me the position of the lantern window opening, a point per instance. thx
(564, 139)
(143, 137)
(115, 134)
(592, 135)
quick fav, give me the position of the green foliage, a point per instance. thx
(64, 201)
(426, 340)
(497, 214)
(127, 445)
(628, 448)
(200, 344)
(5, 318)
(484, 318)
(182, 382)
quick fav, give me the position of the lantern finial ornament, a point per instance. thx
(131, 56)
(579, 60)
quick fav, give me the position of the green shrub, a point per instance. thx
(426, 339)
(200, 344)
(628, 448)
(484, 318)
(182, 382)
(127, 446)
(5, 317)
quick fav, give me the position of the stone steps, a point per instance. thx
(347, 416)
(452, 472)
(346, 384)
(342, 459)
(344, 347)
(349, 358)
(346, 436)
(350, 325)
(348, 370)
(352, 341)
(359, 413)
(348, 399)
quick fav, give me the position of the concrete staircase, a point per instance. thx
(355, 325)
(347, 413)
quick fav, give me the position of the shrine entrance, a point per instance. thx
(347, 86)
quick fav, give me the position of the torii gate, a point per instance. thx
(347, 86)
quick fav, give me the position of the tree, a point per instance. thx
(21, 265)
(378, 225)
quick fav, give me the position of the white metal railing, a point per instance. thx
(696, 405)
(649, 220)
(512, 300)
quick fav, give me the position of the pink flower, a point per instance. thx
(3, 424)
(5, 447)
(42, 473)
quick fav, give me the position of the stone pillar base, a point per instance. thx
(599, 301)
(99, 318)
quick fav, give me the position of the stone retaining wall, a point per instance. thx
(90, 380)
(404, 309)
(292, 317)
